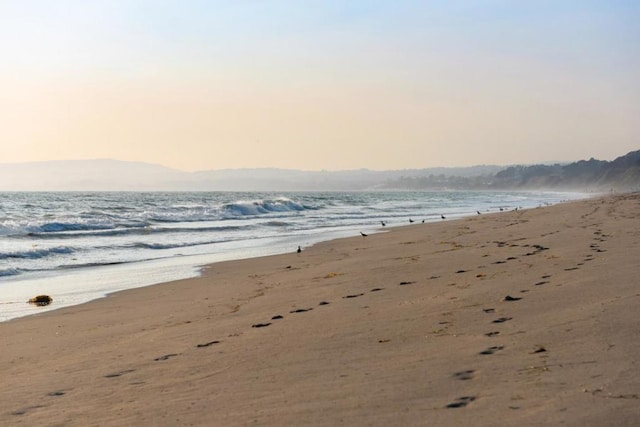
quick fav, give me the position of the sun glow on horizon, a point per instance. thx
(324, 86)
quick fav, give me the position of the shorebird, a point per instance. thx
(410, 220)
(478, 212)
(383, 224)
(363, 235)
(442, 216)
(299, 249)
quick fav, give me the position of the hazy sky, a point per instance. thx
(311, 84)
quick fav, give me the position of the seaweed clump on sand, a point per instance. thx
(41, 300)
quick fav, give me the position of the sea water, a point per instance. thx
(81, 246)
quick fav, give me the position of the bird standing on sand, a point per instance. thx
(363, 235)
(478, 212)
(299, 249)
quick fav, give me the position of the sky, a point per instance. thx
(315, 85)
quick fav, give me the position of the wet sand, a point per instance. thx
(513, 318)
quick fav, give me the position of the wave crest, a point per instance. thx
(9, 272)
(262, 207)
(38, 253)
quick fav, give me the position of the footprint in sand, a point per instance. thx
(502, 319)
(119, 373)
(510, 298)
(278, 317)
(57, 393)
(324, 303)
(492, 334)
(489, 310)
(464, 375)
(27, 409)
(406, 283)
(353, 296)
(260, 325)
(165, 357)
(461, 402)
(492, 350)
(543, 282)
(207, 344)
(376, 289)
(301, 310)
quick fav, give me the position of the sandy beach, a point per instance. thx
(523, 318)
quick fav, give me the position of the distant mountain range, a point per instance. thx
(622, 173)
(115, 175)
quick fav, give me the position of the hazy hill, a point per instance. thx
(622, 173)
(287, 179)
(106, 175)
(113, 175)
(85, 175)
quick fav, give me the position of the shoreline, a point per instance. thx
(403, 327)
(113, 280)
(73, 286)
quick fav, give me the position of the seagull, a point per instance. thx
(383, 224)
(442, 216)
(299, 249)
(363, 235)
(410, 220)
(478, 212)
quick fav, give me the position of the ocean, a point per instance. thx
(79, 246)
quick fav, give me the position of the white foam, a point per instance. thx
(78, 286)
